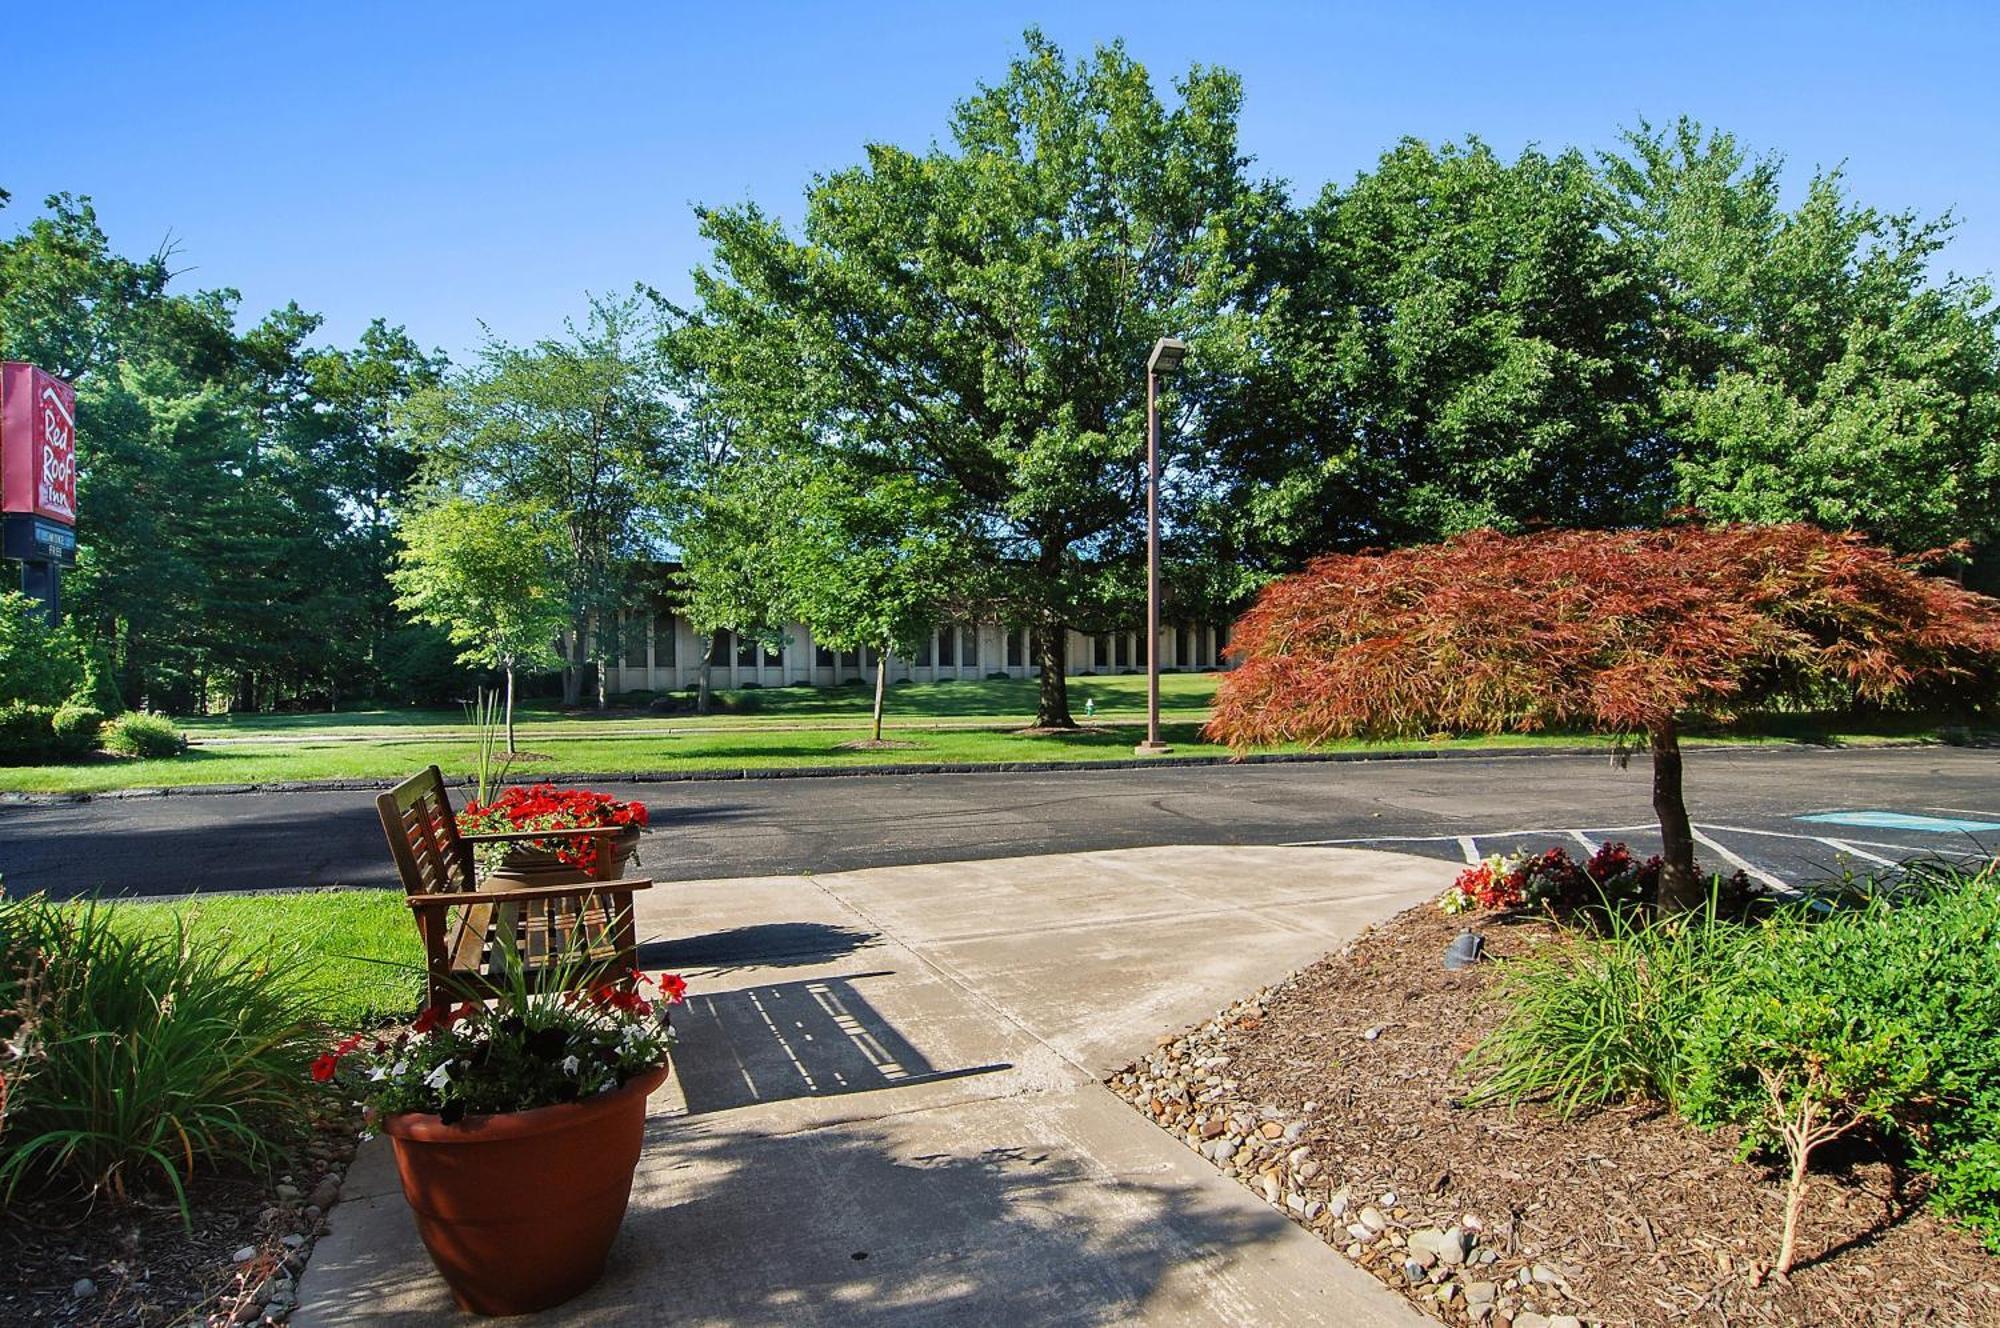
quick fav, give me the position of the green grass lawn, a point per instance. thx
(1008, 702)
(754, 745)
(355, 951)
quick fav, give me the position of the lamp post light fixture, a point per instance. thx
(1168, 352)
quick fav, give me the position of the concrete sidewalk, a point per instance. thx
(886, 1107)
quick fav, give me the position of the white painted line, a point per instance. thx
(1842, 846)
(1816, 839)
(1738, 860)
(1456, 839)
(1589, 844)
(1470, 848)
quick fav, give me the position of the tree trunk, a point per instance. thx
(881, 677)
(703, 693)
(1052, 703)
(510, 707)
(593, 644)
(572, 673)
(1679, 890)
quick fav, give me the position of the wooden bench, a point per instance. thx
(570, 935)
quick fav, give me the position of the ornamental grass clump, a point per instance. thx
(135, 1060)
(1598, 1020)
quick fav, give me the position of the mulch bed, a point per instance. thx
(1332, 1094)
(235, 1260)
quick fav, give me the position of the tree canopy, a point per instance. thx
(1622, 631)
(976, 319)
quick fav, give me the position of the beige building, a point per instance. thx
(659, 652)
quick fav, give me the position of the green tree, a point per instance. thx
(578, 423)
(1810, 364)
(492, 576)
(862, 564)
(1456, 347)
(977, 319)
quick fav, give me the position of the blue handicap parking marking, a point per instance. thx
(1902, 821)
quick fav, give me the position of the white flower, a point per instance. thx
(377, 1075)
(570, 1064)
(439, 1077)
(399, 1069)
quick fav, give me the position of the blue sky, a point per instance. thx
(442, 164)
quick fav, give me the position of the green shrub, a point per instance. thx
(1600, 1020)
(142, 733)
(1786, 1055)
(147, 1056)
(39, 664)
(27, 734)
(76, 728)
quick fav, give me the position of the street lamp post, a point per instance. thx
(1165, 359)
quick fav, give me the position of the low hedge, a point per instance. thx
(144, 734)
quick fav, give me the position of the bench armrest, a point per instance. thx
(529, 895)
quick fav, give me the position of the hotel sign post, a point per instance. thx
(38, 479)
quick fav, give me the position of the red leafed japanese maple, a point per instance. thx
(1619, 631)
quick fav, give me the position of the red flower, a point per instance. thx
(425, 1021)
(323, 1068)
(673, 986)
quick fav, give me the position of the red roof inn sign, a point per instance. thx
(37, 444)
(37, 476)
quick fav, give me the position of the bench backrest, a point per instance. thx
(423, 836)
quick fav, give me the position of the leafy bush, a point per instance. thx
(76, 727)
(142, 733)
(27, 734)
(1781, 1053)
(146, 1056)
(39, 664)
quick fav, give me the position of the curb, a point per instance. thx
(908, 768)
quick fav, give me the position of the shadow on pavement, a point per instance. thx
(775, 1041)
(762, 945)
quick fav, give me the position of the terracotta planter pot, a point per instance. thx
(531, 866)
(519, 1210)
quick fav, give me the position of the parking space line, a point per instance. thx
(1589, 844)
(1470, 848)
(1738, 860)
(1842, 846)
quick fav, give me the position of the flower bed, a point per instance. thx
(1341, 1096)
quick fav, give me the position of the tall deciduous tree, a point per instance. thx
(1811, 364)
(492, 576)
(976, 319)
(1457, 347)
(578, 423)
(1631, 632)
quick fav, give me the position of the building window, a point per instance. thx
(774, 657)
(822, 657)
(1124, 646)
(746, 651)
(972, 647)
(632, 640)
(1186, 652)
(663, 641)
(947, 647)
(1017, 653)
(1102, 657)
